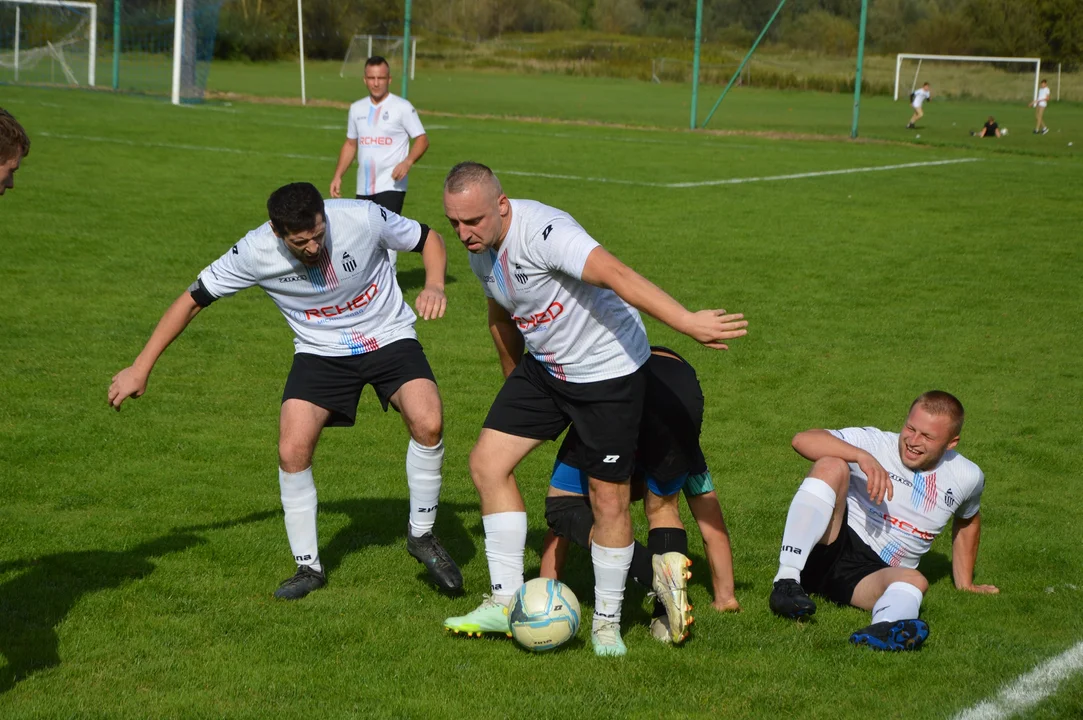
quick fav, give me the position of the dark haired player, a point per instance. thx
(871, 506)
(325, 266)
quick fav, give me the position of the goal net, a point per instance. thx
(968, 76)
(389, 47)
(57, 42)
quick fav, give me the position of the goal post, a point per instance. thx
(1037, 62)
(54, 50)
(390, 47)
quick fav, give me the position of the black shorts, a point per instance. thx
(668, 445)
(835, 570)
(390, 199)
(534, 404)
(335, 383)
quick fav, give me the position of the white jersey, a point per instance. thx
(1043, 96)
(383, 135)
(902, 529)
(920, 96)
(579, 332)
(346, 304)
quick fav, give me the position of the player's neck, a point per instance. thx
(505, 226)
(377, 100)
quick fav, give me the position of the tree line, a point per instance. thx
(1050, 29)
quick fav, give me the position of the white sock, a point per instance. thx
(393, 257)
(610, 574)
(299, 504)
(901, 601)
(423, 476)
(505, 539)
(810, 514)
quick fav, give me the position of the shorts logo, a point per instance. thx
(611, 459)
(348, 263)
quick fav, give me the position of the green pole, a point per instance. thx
(116, 44)
(860, 62)
(695, 63)
(406, 50)
(744, 62)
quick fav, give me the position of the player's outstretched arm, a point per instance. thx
(506, 336)
(709, 327)
(716, 541)
(965, 535)
(345, 157)
(816, 444)
(431, 301)
(132, 381)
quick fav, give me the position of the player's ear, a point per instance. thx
(505, 205)
(954, 441)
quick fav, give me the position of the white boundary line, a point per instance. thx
(522, 173)
(1030, 689)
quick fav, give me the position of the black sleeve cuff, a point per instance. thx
(200, 295)
(424, 235)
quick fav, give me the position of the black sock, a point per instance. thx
(641, 570)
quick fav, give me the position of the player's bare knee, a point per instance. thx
(481, 470)
(833, 471)
(915, 578)
(427, 430)
(293, 457)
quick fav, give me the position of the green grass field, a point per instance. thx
(138, 551)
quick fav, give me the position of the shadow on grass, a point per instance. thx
(382, 521)
(35, 602)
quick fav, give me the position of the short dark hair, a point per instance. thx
(377, 60)
(1045, 81)
(13, 138)
(294, 208)
(924, 84)
(938, 402)
(468, 173)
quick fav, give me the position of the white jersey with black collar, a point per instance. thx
(346, 304)
(902, 529)
(579, 332)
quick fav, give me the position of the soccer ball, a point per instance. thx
(1003, 131)
(544, 614)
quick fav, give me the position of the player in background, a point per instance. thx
(990, 129)
(14, 146)
(378, 132)
(669, 460)
(325, 266)
(917, 100)
(1039, 103)
(553, 290)
(871, 506)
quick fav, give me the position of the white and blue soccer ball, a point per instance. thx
(544, 614)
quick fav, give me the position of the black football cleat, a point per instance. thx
(428, 551)
(304, 581)
(789, 599)
(900, 635)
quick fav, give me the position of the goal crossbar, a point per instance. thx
(93, 25)
(967, 58)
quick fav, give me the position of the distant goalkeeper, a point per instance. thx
(917, 100)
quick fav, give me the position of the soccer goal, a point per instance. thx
(389, 47)
(987, 79)
(48, 42)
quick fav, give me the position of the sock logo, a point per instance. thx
(494, 588)
(791, 548)
(429, 509)
(302, 558)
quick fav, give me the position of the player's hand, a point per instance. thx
(128, 383)
(431, 303)
(711, 327)
(336, 187)
(400, 170)
(981, 589)
(879, 484)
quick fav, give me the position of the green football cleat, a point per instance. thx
(489, 617)
(671, 587)
(606, 639)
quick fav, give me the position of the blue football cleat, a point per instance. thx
(900, 635)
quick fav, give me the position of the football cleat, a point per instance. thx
(428, 551)
(660, 630)
(605, 637)
(900, 635)
(671, 587)
(489, 617)
(304, 581)
(789, 599)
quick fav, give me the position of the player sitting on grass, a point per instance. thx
(669, 459)
(871, 506)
